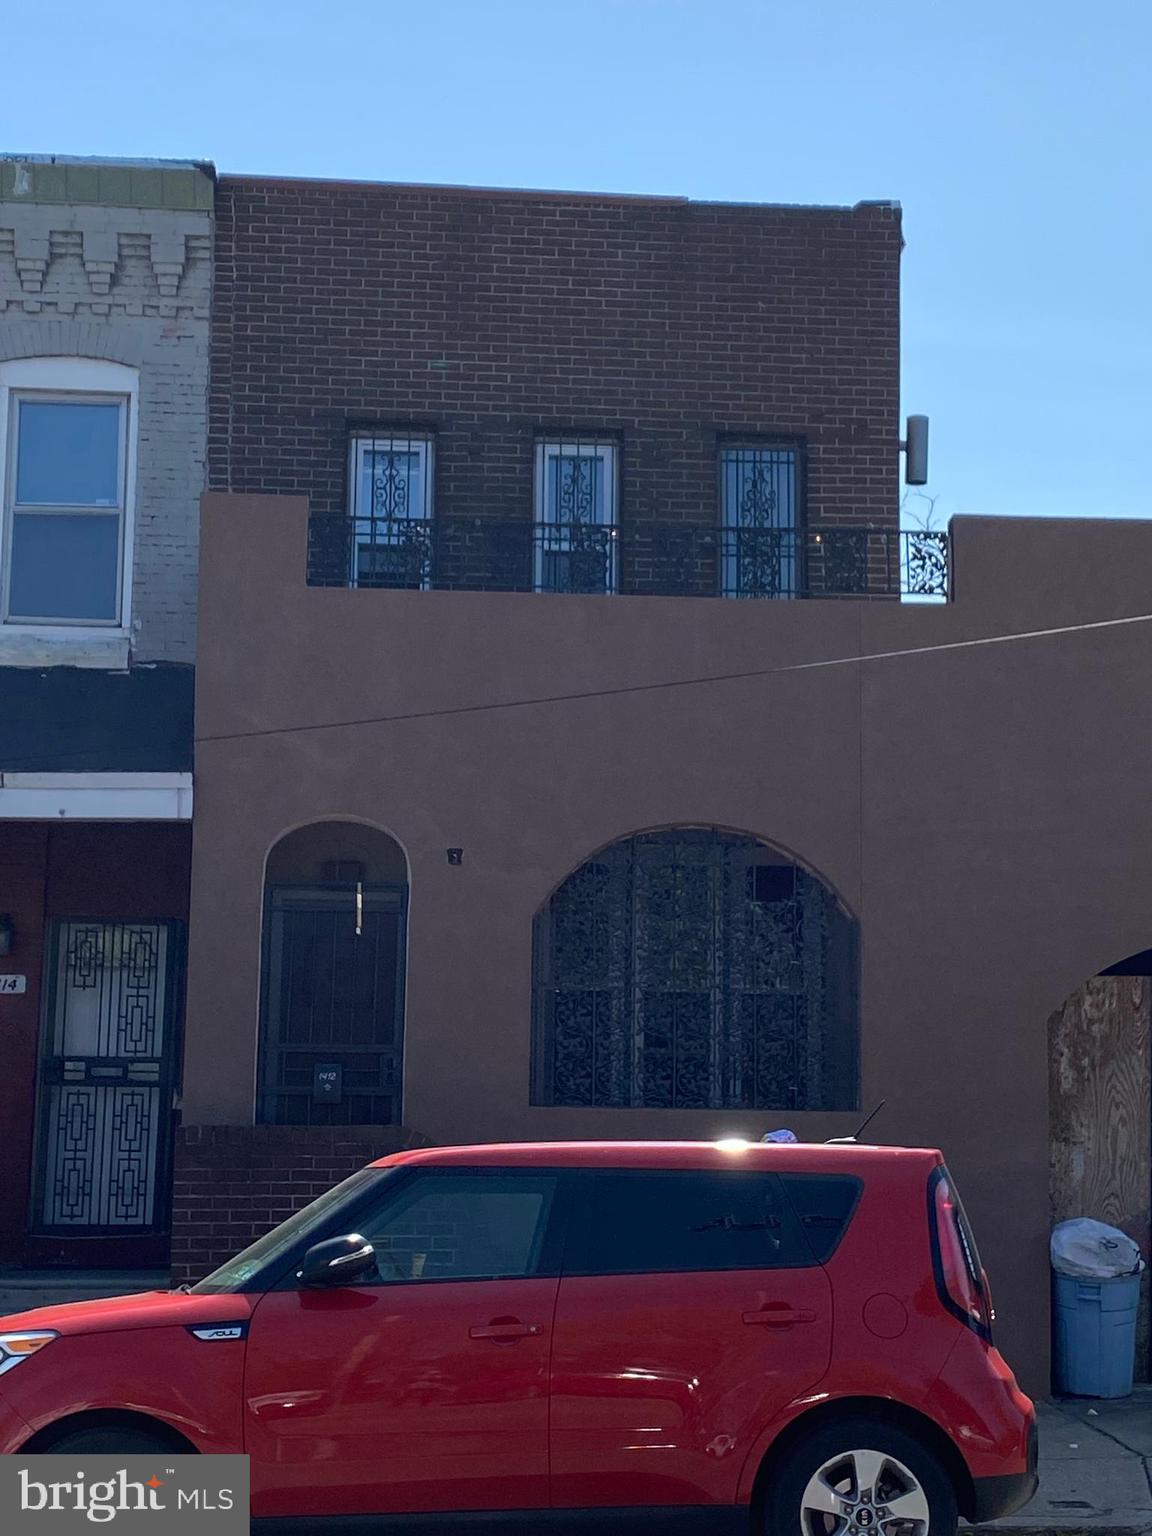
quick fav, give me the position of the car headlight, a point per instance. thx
(15, 1347)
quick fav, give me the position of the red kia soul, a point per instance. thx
(698, 1338)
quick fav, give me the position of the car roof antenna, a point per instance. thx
(848, 1141)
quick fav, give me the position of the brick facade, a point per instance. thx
(232, 1183)
(490, 318)
(127, 284)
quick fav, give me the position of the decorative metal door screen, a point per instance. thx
(695, 969)
(332, 1005)
(107, 1077)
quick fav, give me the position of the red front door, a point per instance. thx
(429, 1390)
(690, 1314)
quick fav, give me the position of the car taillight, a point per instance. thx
(960, 1281)
(985, 1285)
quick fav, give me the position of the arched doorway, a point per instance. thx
(695, 968)
(332, 986)
(1100, 1111)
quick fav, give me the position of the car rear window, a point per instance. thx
(824, 1205)
(651, 1221)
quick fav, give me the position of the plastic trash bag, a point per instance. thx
(1091, 1250)
(779, 1136)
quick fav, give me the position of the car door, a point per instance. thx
(427, 1389)
(690, 1312)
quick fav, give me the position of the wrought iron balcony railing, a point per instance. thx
(487, 554)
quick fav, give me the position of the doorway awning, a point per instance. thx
(95, 796)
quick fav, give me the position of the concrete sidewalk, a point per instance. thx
(1095, 1468)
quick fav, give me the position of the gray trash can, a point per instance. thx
(1095, 1335)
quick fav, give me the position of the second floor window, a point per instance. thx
(759, 521)
(65, 504)
(391, 486)
(576, 535)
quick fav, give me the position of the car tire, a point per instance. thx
(860, 1478)
(109, 1440)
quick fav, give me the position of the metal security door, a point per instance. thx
(107, 1078)
(332, 1005)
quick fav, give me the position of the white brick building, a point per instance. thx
(114, 264)
(105, 286)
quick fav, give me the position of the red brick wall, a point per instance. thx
(234, 1182)
(23, 858)
(490, 317)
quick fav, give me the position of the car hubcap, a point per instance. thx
(864, 1493)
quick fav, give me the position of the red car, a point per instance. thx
(724, 1337)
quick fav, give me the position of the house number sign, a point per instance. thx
(13, 984)
(328, 1084)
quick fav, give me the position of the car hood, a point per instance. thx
(148, 1309)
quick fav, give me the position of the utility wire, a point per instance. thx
(677, 682)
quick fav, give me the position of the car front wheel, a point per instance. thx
(860, 1479)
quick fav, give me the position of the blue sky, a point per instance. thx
(1017, 135)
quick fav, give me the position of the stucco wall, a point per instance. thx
(982, 808)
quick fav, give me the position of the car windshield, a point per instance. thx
(235, 1273)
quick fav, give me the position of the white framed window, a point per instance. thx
(759, 520)
(577, 547)
(68, 472)
(391, 481)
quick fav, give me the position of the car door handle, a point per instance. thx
(780, 1317)
(505, 1329)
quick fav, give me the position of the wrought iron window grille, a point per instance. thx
(694, 969)
(761, 555)
(576, 537)
(391, 503)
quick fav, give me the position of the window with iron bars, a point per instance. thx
(761, 550)
(694, 968)
(757, 543)
(576, 534)
(391, 493)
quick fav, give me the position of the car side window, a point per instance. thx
(825, 1204)
(641, 1221)
(462, 1226)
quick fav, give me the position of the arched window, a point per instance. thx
(695, 969)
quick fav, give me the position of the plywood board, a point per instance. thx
(1100, 1114)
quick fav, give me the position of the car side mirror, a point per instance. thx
(349, 1260)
